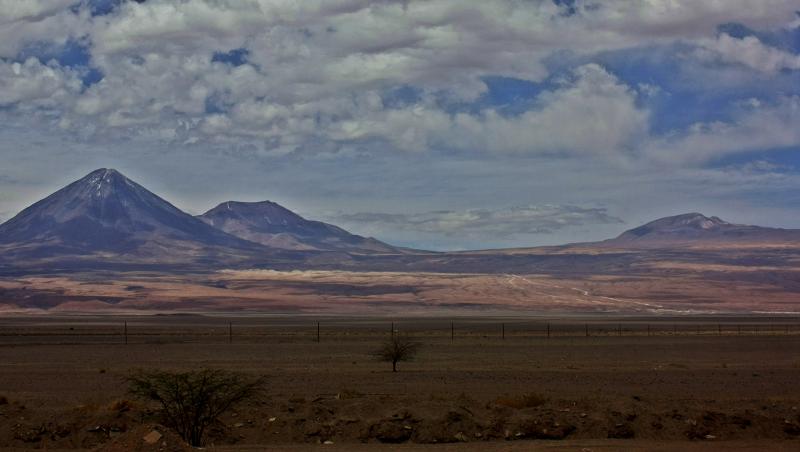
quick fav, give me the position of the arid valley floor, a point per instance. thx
(635, 383)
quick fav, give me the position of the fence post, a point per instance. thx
(230, 332)
(503, 331)
(648, 329)
(317, 332)
(392, 332)
(126, 332)
(586, 326)
(619, 329)
(452, 332)
(548, 330)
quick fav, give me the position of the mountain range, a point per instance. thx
(105, 217)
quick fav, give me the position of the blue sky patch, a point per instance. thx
(235, 57)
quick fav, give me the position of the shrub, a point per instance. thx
(3, 400)
(397, 348)
(192, 401)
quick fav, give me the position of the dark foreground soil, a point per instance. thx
(476, 392)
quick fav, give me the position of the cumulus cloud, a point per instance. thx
(31, 84)
(503, 223)
(748, 51)
(23, 23)
(755, 126)
(316, 73)
(592, 112)
(30, 10)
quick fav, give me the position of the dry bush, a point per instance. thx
(3, 400)
(530, 400)
(397, 348)
(192, 401)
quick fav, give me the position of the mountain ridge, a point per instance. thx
(273, 225)
(695, 228)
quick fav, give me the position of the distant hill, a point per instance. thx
(105, 213)
(275, 226)
(695, 229)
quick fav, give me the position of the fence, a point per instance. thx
(262, 331)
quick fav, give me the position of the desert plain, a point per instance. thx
(491, 383)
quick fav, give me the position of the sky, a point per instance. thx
(438, 124)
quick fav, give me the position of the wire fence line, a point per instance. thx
(133, 332)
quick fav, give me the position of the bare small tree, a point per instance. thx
(192, 401)
(397, 348)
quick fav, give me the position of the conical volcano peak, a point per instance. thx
(105, 180)
(105, 210)
(103, 174)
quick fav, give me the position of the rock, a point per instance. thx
(327, 441)
(152, 438)
(272, 419)
(546, 429)
(460, 436)
(239, 424)
(621, 431)
(791, 428)
(29, 434)
(389, 431)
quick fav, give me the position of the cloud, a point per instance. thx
(316, 72)
(33, 85)
(755, 126)
(748, 51)
(591, 112)
(23, 23)
(31, 10)
(507, 222)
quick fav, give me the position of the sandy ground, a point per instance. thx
(723, 290)
(63, 376)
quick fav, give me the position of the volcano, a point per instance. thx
(275, 226)
(106, 213)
